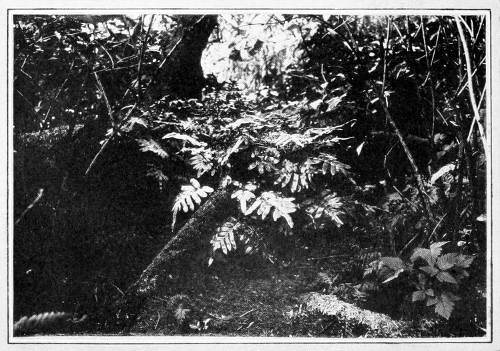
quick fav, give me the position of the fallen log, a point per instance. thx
(373, 323)
(175, 256)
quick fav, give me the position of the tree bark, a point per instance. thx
(180, 74)
(175, 256)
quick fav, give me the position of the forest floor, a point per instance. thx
(280, 299)
(311, 289)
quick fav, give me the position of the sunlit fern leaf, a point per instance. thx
(330, 207)
(244, 196)
(330, 164)
(281, 206)
(224, 237)
(183, 137)
(284, 140)
(149, 145)
(264, 163)
(189, 196)
(296, 177)
(202, 163)
(39, 322)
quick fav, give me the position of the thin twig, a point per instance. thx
(30, 206)
(113, 132)
(477, 118)
(103, 92)
(247, 312)
(97, 155)
(57, 94)
(158, 320)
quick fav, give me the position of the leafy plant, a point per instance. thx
(433, 274)
(189, 197)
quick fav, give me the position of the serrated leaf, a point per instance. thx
(436, 248)
(431, 301)
(429, 270)
(444, 307)
(464, 261)
(446, 261)
(446, 277)
(149, 145)
(424, 254)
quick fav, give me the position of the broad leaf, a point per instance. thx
(446, 261)
(436, 248)
(446, 277)
(430, 270)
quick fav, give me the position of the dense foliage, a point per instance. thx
(369, 127)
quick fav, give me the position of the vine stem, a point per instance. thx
(477, 118)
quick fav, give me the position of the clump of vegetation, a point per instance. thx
(361, 162)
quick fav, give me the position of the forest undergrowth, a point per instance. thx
(346, 190)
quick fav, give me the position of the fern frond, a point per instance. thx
(284, 140)
(281, 206)
(44, 321)
(264, 163)
(244, 195)
(297, 177)
(330, 164)
(149, 145)
(224, 238)
(184, 137)
(329, 207)
(189, 196)
(202, 163)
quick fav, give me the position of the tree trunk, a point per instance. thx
(180, 74)
(175, 255)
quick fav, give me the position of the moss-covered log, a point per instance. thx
(175, 256)
(372, 323)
